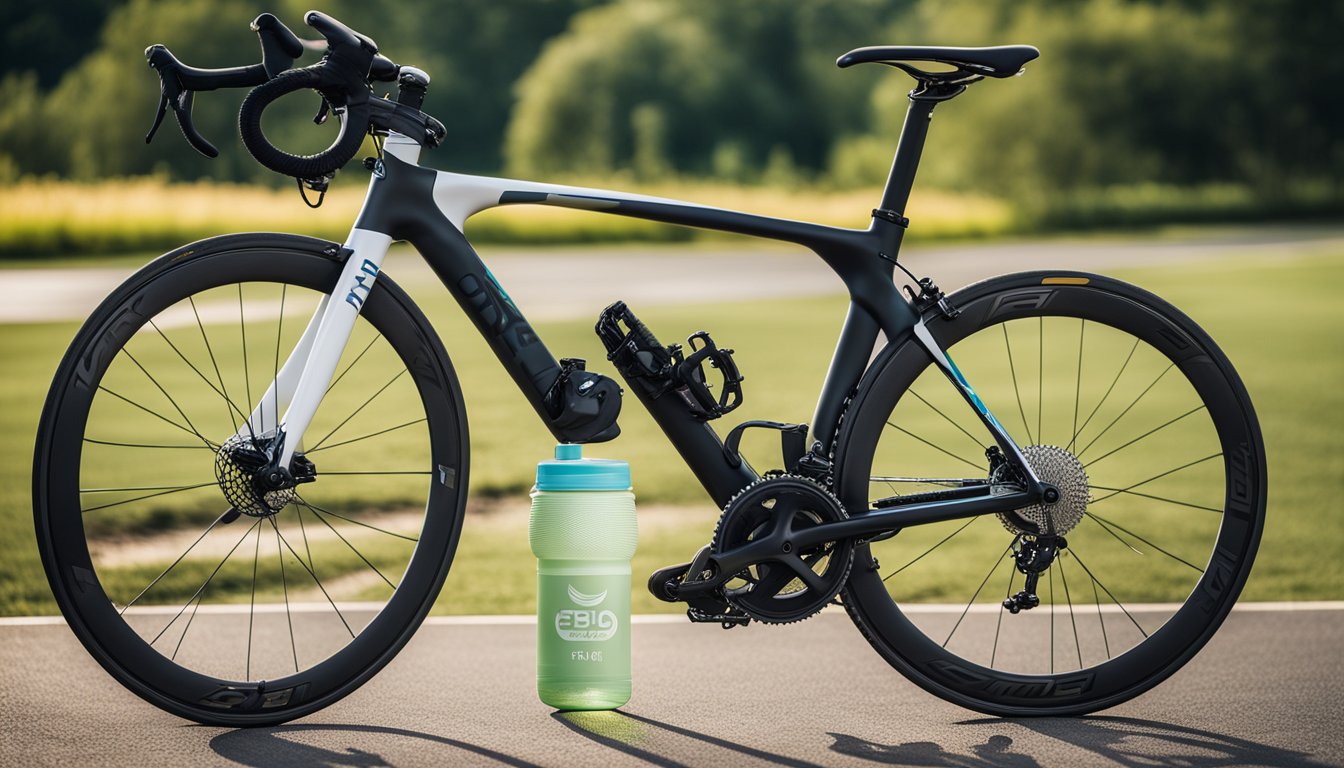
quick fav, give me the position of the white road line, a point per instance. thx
(650, 618)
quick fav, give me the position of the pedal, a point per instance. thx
(665, 583)
(727, 620)
(660, 370)
(696, 389)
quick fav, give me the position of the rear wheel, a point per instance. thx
(1118, 399)
(202, 592)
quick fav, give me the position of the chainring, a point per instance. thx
(772, 591)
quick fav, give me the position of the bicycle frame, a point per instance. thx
(428, 209)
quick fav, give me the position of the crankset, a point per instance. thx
(790, 583)
(774, 580)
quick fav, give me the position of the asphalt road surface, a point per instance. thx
(591, 278)
(1266, 691)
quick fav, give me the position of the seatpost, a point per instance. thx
(908, 150)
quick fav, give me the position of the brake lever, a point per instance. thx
(171, 93)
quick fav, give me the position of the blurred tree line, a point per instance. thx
(1172, 92)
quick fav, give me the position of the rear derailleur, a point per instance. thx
(1033, 556)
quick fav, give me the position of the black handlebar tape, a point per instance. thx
(316, 166)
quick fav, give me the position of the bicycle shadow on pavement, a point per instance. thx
(1120, 740)
(645, 738)
(269, 747)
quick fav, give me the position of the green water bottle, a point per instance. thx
(583, 533)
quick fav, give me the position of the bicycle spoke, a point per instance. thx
(252, 606)
(366, 437)
(949, 420)
(992, 569)
(275, 370)
(1196, 409)
(1078, 382)
(1128, 488)
(1146, 390)
(998, 626)
(215, 364)
(179, 559)
(935, 447)
(1118, 604)
(358, 357)
(1012, 368)
(1107, 528)
(142, 488)
(963, 527)
(360, 408)
(1104, 397)
(1155, 498)
(289, 618)
(304, 530)
(347, 543)
(312, 572)
(1052, 620)
(1101, 619)
(326, 511)
(146, 445)
(390, 472)
(1077, 644)
(1040, 376)
(147, 496)
(1106, 522)
(247, 379)
(231, 406)
(185, 630)
(128, 401)
(201, 589)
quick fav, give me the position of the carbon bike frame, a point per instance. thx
(428, 209)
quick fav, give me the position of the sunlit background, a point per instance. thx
(1138, 115)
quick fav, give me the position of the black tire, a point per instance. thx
(1196, 543)
(147, 346)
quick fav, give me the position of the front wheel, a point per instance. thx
(1127, 406)
(209, 595)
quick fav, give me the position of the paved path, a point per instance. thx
(563, 283)
(1268, 690)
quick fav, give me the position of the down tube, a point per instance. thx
(531, 365)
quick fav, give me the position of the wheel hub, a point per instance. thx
(239, 467)
(1061, 469)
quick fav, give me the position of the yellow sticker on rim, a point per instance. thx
(1065, 281)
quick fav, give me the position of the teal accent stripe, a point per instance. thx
(970, 391)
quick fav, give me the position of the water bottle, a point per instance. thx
(583, 532)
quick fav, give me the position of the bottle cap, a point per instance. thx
(569, 471)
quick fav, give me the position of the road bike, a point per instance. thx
(282, 396)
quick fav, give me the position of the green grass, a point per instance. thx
(59, 219)
(1277, 320)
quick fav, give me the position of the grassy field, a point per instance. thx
(58, 218)
(1277, 320)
